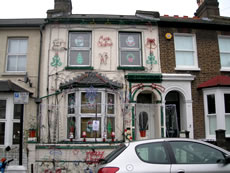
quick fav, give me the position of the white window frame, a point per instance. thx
(227, 52)
(9, 119)
(16, 54)
(195, 57)
(78, 115)
(121, 49)
(220, 109)
(89, 49)
(226, 114)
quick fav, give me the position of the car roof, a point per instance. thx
(176, 139)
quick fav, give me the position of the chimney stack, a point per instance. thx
(61, 8)
(207, 8)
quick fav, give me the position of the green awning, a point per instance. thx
(144, 77)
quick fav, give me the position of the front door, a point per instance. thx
(145, 121)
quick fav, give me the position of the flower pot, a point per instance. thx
(143, 133)
(32, 133)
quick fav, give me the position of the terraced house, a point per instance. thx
(19, 66)
(95, 81)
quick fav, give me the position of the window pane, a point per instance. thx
(87, 126)
(130, 40)
(212, 125)
(2, 109)
(16, 133)
(184, 43)
(110, 104)
(130, 58)
(18, 111)
(89, 102)
(225, 60)
(184, 58)
(2, 133)
(110, 126)
(152, 153)
(71, 126)
(80, 57)
(71, 103)
(12, 63)
(13, 46)
(227, 103)
(224, 44)
(227, 124)
(211, 104)
(21, 63)
(195, 153)
(80, 39)
(22, 46)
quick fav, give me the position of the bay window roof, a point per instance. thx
(218, 81)
(91, 79)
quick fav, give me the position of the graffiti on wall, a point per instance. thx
(58, 46)
(151, 45)
(103, 58)
(56, 160)
(104, 41)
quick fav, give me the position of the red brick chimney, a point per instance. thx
(207, 8)
(61, 8)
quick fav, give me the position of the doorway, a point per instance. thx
(145, 109)
(172, 113)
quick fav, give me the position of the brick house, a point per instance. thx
(200, 46)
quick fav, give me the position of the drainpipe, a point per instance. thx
(38, 100)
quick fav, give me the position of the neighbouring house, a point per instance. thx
(19, 78)
(199, 46)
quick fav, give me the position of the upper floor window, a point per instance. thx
(185, 51)
(80, 49)
(17, 54)
(224, 47)
(130, 49)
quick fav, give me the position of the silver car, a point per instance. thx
(166, 155)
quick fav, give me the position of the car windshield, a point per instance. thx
(110, 157)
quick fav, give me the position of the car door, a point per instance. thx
(154, 158)
(192, 157)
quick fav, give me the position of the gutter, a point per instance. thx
(38, 100)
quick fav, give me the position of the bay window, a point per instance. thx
(90, 112)
(211, 109)
(217, 111)
(227, 112)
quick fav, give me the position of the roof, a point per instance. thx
(140, 18)
(218, 81)
(91, 79)
(35, 22)
(213, 22)
(9, 86)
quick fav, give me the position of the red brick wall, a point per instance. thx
(208, 62)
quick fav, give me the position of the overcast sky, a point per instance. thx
(38, 8)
